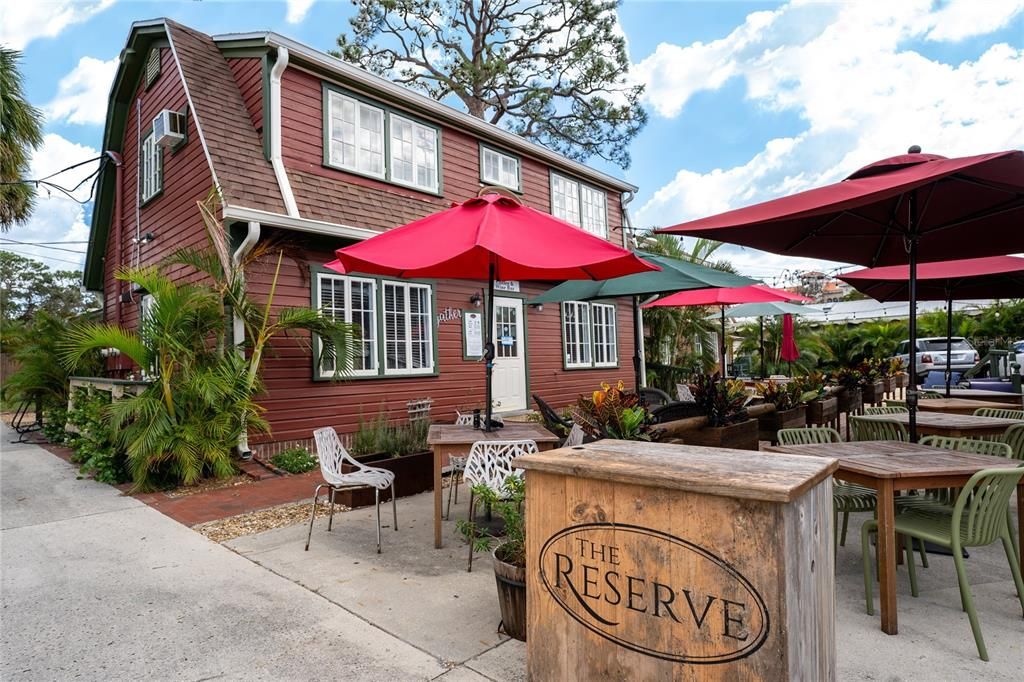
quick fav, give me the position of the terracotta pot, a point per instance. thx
(768, 425)
(739, 436)
(850, 400)
(511, 582)
(413, 474)
(822, 411)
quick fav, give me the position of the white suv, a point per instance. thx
(931, 354)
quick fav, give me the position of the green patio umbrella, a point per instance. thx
(763, 310)
(675, 275)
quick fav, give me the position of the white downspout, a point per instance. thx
(237, 328)
(275, 132)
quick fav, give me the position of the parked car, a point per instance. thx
(931, 355)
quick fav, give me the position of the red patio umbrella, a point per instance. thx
(972, 278)
(789, 352)
(901, 210)
(755, 293)
(487, 238)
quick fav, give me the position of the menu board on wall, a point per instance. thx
(472, 334)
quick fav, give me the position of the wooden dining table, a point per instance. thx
(952, 425)
(958, 405)
(1005, 398)
(453, 439)
(892, 466)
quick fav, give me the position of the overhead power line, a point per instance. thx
(49, 248)
(34, 255)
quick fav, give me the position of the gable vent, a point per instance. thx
(152, 66)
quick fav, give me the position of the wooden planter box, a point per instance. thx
(413, 474)
(873, 393)
(850, 400)
(768, 425)
(739, 436)
(887, 385)
(901, 381)
(823, 411)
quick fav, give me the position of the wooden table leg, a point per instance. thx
(887, 556)
(437, 496)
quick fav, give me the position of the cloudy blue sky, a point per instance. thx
(747, 100)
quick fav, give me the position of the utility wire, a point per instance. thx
(34, 255)
(84, 241)
(51, 248)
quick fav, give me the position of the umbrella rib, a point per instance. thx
(815, 231)
(1013, 205)
(885, 235)
(960, 177)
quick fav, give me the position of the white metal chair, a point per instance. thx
(684, 394)
(574, 438)
(490, 464)
(332, 454)
(457, 463)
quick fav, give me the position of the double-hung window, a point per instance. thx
(413, 154)
(589, 335)
(579, 204)
(408, 342)
(352, 300)
(151, 168)
(355, 134)
(498, 168)
(394, 326)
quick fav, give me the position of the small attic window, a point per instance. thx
(152, 66)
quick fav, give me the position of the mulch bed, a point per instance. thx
(233, 527)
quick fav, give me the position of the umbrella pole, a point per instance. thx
(912, 326)
(764, 375)
(722, 343)
(638, 345)
(949, 339)
(489, 346)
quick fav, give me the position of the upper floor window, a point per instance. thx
(151, 168)
(579, 204)
(498, 168)
(413, 153)
(372, 140)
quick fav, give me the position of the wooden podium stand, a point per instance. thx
(675, 562)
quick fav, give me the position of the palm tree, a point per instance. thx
(813, 348)
(21, 131)
(877, 339)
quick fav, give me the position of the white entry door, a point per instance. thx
(509, 379)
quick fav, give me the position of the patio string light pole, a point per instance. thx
(904, 210)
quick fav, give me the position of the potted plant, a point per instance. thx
(872, 387)
(724, 405)
(821, 407)
(789, 412)
(849, 395)
(613, 412)
(510, 555)
(900, 378)
(400, 448)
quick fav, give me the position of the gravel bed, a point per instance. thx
(264, 519)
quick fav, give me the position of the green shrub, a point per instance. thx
(295, 460)
(93, 442)
(54, 421)
(397, 440)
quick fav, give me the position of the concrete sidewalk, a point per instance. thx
(97, 586)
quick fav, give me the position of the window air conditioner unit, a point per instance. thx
(169, 128)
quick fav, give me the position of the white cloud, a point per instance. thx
(82, 94)
(22, 21)
(57, 218)
(845, 71)
(297, 10)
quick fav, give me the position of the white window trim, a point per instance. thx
(354, 167)
(490, 180)
(318, 346)
(390, 169)
(614, 339)
(406, 288)
(150, 168)
(578, 306)
(580, 188)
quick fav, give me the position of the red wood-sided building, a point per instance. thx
(303, 146)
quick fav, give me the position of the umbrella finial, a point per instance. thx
(914, 149)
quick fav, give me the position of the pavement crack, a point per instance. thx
(72, 518)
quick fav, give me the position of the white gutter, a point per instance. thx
(245, 214)
(238, 329)
(440, 110)
(275, 132)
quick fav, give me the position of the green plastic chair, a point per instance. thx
(886, 409)
(902, 404)
(878, 429)
(847, 498)
(999, 413)
(1014, 437)
(976, 520)
(929, 395)
(944, 442)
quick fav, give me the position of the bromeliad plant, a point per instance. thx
(613, 412)
(722, 402)
(783, 395)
